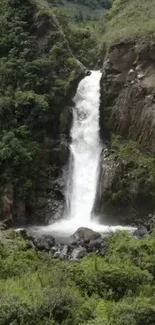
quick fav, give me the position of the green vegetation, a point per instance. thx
(115, 289)
(82, 41)
(37, 72)
(130, 151)
(91, 4)
(131, 21)
(86, 22)
(94, 3)
(135, 178)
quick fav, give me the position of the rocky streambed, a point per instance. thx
(83, 242)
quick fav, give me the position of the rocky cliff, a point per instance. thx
(128, 123)
(128, 88)
(127, 115)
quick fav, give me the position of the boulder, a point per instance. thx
(78, 253)
(24, 234)
(42, 242)
(64, 253)
(141, 232)
(96, 243)
(86, 234)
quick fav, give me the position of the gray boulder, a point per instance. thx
(78, 253)
(86, 234)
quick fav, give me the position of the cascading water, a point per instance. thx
(85, 151)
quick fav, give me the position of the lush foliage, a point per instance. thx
(82, 41)
(93, 4)
(115, 289)
(37, 69)
(134, 179)
(86, 15)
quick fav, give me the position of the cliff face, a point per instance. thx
(38, 77)
(127, 114)
(128, 89)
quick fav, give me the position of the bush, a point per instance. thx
(116, 289)
(97, 276)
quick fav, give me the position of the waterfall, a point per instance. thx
(85, 150)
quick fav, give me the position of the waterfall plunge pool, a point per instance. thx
(84, 169)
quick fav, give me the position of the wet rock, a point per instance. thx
(24, 234)
(96, 242)
(78, 253)
(64, 252)
(42, 242)
(57, 254)
(75, 260)
(141, 232)
(54, 249)
(90, 249)
(86, 234)
(39, 245)
(148, 222)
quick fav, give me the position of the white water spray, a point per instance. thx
(85, 151)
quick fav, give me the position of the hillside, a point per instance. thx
(91, 4)
(131, 21)
(37, 73)
(83, 23)
(83, 13)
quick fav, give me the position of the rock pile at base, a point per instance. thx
(82, 243)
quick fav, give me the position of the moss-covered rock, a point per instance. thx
(127, 188)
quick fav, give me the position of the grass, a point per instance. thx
(131, 21)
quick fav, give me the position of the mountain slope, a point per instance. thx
(131, 21)
(92, 4)
(82, 12)
(37, 76)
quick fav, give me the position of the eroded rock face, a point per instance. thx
(128, 110)
(50, 196)
(122, 58)
(128, 95)
(126, 188)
